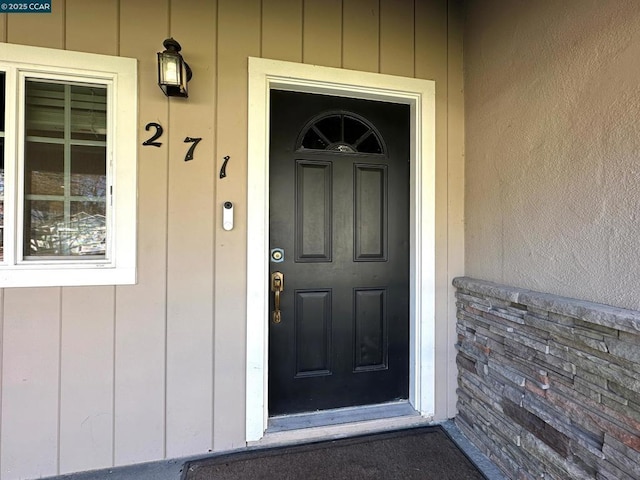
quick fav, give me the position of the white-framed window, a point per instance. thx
(68, 168)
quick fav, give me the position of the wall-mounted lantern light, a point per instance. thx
(173, 71)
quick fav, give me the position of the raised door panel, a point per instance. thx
(370, 213)
(370, 329)
(314, 215)
(313, 332)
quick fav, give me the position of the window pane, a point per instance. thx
(2, 197)
(88, 113)
(45, 109)
(51, 232)
(313, 140)
(331, 127)
(341, 133)
(42, 225)
(65, 170)
(353, 130)
(370, 144)
(88, 219)
(88, 171)
(44, 169)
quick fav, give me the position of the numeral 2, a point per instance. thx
(157, 135)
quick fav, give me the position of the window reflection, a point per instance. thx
(65, 170)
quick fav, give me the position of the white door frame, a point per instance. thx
(265, 75)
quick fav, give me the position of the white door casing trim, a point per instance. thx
(265, 75)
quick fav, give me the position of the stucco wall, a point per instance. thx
(552, 179)
(100, 376)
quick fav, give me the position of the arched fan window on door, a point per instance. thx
(344, 132)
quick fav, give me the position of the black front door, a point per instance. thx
(339, 230)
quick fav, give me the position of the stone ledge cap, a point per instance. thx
(597, 313)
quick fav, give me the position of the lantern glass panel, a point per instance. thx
(170, 69)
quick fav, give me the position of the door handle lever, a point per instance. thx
(277, 286)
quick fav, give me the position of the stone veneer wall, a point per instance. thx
(548, 387)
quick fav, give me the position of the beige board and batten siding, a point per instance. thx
(140, 321)
(552, 175)
(32, 324)
(100, 376)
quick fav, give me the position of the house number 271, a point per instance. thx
(158, 133)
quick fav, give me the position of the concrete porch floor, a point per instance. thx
(172, 469)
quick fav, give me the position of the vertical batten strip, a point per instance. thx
(140, 330)
(31, 345)
(379, 37)
(38, 30)
(86, 388)
(87, 347)
(190, 237)
(341, 33)
(239, 34)
(415, 42)
(322, 32)
(455, 179)
(3, 27)
(167, 167)
(31, 336)
(214, 133)
(361, 35)
(2, 377)
(115, 290)
(113, 376)
(167, 182)
(302, 17)
(92, 26)
(60, 346)
(397, 38)
(282, 30)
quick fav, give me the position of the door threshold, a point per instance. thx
(336, 416)
(340, 423)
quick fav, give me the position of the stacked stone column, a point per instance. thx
(548, 387)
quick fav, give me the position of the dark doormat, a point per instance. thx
(418, 453)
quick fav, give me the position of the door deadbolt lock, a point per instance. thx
(277, 255)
